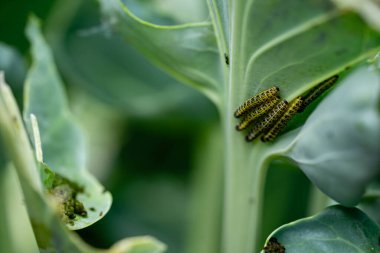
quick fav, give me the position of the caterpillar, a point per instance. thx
(256, 100)
(256, 113)
(269, 120)
(317, 91)
(285, 118)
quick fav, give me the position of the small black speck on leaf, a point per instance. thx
(227, 59)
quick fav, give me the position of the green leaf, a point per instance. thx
(295, 44)
(336, 229)
(90, 56)
(62, 140)
(338, 146)
(188, 52)
(50, 233)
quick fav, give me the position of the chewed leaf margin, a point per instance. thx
(81, 199)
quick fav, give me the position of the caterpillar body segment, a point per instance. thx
(317, 91)
(256, 113)
(256, 100)
(268, 121)
(293, 108)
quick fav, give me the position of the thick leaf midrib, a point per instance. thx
(217, 23)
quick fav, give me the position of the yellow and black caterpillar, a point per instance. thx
(269, 114)
(317, 91)
(256, 100)
(281, 123)
(257, 112)
(268, 121)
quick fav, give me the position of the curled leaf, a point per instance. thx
(61, 139)
(338, 146)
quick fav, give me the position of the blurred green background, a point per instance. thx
(153, 143)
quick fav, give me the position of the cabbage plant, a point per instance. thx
(241, 49)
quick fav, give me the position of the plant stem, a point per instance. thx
(15, 138)
(244, 179)
(244, 183)
(243, 175)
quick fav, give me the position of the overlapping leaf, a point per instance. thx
(338, 146)
(336, 229)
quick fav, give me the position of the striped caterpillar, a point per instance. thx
(270, 114)
(285, 118)
(268, 121)
(256, 100)
(317, 91)
(256, 113)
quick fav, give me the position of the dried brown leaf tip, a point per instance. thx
(273, 246)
